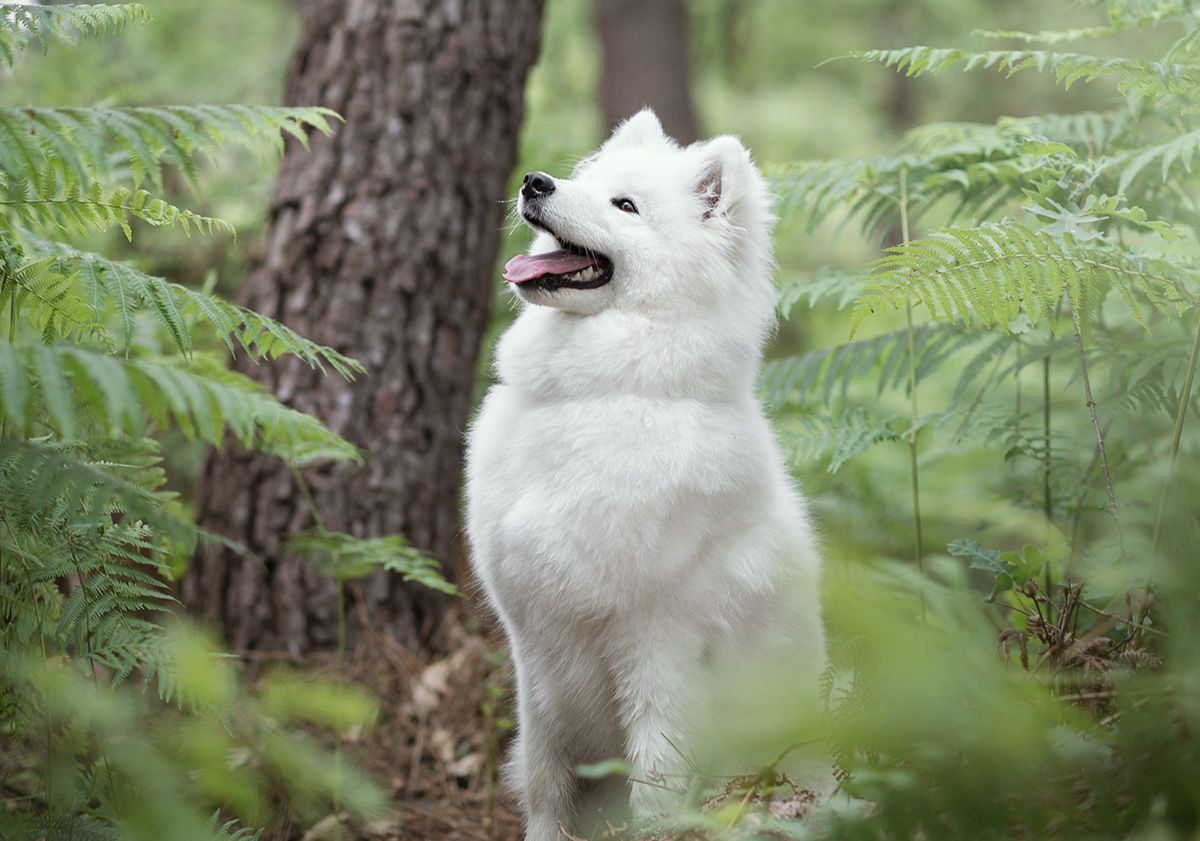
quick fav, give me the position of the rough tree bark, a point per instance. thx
(644, 57)
(381, 243)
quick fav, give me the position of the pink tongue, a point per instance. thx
(524, 267)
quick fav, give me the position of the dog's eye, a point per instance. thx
(626, 205)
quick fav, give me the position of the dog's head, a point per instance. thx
(644, 224)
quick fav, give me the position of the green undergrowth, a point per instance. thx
(120, 721)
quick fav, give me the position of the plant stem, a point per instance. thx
(1047, 496)
(12, 339)
(37, 613)
(337, 751)
(1185, 397)
(1180, 416)
(341, 615)
(1091, 404)
(1108, 485)
(1017, 381)
(310, 501)
(912, 391)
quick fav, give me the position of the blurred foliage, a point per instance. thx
(98, 358)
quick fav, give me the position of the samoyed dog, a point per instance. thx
(630, 514)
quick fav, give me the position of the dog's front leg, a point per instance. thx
(659, 688)
(541, 767)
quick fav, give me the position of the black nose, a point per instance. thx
(536, 185)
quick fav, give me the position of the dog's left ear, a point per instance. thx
(642, 129)
(725, 175)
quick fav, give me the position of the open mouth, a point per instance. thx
(571, 267)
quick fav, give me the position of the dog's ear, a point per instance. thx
(724, 177)
(642, 129)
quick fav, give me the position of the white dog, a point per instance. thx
(630, 513)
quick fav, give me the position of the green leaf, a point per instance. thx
(604, 768)
(983, 558)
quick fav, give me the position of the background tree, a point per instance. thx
(381, 243)
(644, 60)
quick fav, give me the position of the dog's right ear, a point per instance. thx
(642, 129)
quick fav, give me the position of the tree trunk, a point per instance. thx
(382, 243)
(644, 49)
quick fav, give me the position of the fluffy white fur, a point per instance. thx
(630, 514)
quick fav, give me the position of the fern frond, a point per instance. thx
(1132, 77)
(1146, 372)
(987, 275)
(73, 148)
(79, 390)
(22, 24)
(346, 557)
(840, 287)
(980, 167)
(843, 436)
(1088, 132)
(96, 209)
(230, 831)
(45, 296)
(120, 288)
(28, 825)
(1179, 150)
(825, 374)
(819, 186)
(51, 491)
(1049, 37)
(1138, 14)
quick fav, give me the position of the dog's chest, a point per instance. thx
(602, 495)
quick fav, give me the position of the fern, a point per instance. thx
(842, 436)
(978, 168)
(22, 25)
(71, 148)
(346, 557)
(1050, 38)
(117, 291)
(823, 375)
(77, 827)
(1178, 150)
(1127, 15)
(93, 208)
(1087, 132)
(990, 274)
(81, 392)
(1132, 77)
(827, 284)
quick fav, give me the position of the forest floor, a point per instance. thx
(442, 732)
(442, 736)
